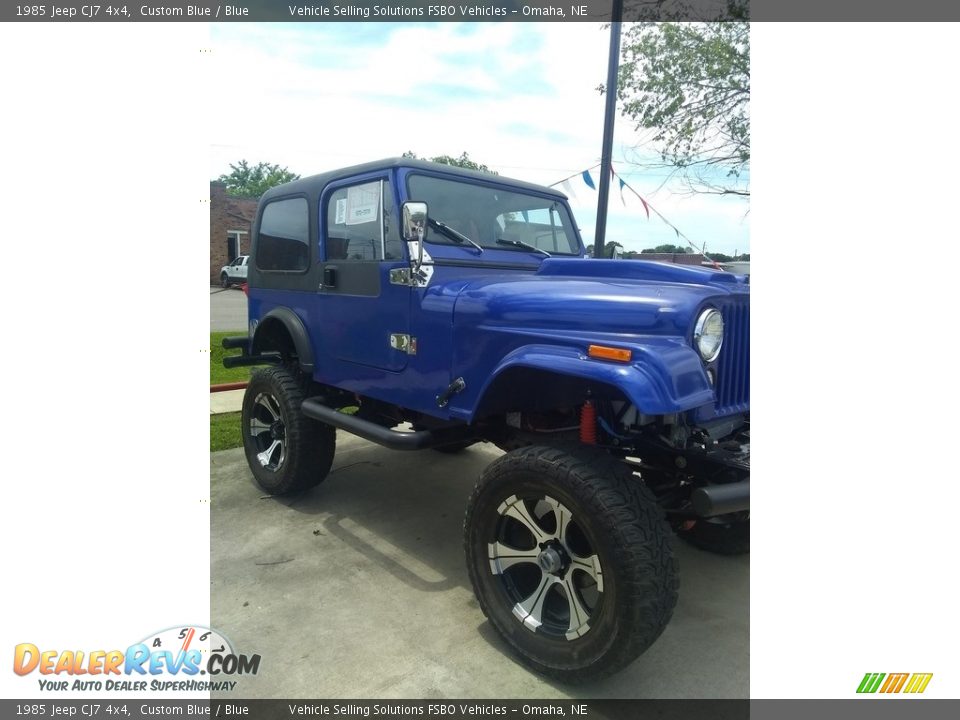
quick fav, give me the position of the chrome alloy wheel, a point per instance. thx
(547, 566)
(268, 431)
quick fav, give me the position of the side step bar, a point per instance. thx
(714, 500)
(393, 439)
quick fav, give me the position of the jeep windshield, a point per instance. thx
(495, 217)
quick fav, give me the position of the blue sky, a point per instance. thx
(519, 97)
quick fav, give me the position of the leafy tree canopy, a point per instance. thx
(688, 85)
(674, 249)
(245, 180)
(463, 161)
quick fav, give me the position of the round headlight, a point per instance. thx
(708, 334)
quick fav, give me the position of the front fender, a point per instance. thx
(665, 375)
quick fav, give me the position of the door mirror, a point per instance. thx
(414, 221)
(414, 228)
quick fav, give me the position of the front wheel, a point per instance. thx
(570, 560)
(286, 450)
(224, 280)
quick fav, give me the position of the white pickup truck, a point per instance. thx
(234, 273)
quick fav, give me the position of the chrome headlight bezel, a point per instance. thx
(704, 332)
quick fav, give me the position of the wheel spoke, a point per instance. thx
(579, 615)
(503, 557)
(258, 426)
(563, 517)
(265, 401)
(530, 609)
(589, 565)
(265, 456)
(512, 507)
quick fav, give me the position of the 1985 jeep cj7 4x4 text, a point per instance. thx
(460, 306)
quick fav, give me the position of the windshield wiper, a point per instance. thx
(454, 235)
(521, 244)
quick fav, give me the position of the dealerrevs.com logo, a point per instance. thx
(184, 658)
(910, 683)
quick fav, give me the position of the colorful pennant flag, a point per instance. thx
(588, 180)
(568, 189)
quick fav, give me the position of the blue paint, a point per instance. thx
(484, 314)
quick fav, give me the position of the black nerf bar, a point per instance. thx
(714, 500)
(393, 439)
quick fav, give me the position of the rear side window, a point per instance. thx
(283, 242)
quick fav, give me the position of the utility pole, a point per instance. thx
(606, 157)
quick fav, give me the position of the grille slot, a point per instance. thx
(733, 366)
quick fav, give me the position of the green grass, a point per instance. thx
(225, 428)
(218, 373)
(225, 431)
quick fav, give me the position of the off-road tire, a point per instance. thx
(625, 529)
(721, 538)
(308, 446)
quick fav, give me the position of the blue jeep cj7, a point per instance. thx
(423, 306)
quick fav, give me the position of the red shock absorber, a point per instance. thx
(588, 424)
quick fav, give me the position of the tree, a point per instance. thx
(688, 84)
(247, 181)
(670, 249)
(463, 161)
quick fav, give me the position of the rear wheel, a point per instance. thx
(570, 560)
(286, 450)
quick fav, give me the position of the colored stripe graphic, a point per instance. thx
(870, 682)
(918, 683)
(894, 682)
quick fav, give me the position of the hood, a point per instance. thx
(638, 270)
(622, 297)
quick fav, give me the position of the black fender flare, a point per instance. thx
(293, 325)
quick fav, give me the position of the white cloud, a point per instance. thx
(314, 97)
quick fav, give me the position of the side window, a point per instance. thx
(361, 223)
(283, 242)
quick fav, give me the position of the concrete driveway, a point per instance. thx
(228, 309)
(358, 589)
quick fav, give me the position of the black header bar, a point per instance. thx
(476, 11)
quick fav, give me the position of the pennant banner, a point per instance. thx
(568, 188)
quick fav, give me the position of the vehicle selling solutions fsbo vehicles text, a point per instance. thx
(352, 11)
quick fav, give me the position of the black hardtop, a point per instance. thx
(312, 186)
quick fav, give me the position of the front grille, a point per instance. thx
(733, 366)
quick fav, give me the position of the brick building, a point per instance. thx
(230, 221)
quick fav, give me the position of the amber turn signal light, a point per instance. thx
(609, 353)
